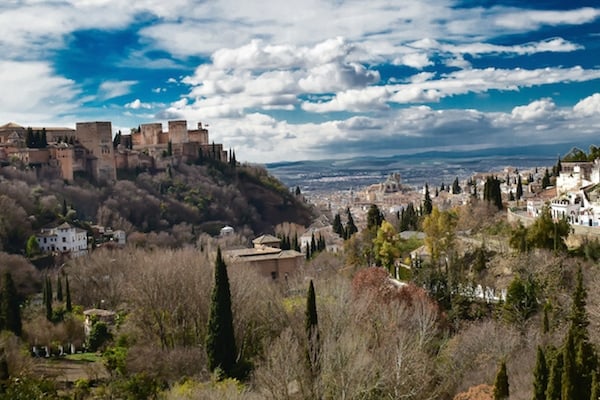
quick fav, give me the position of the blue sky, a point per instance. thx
(311, 79)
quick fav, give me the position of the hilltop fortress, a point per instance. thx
(91, 149)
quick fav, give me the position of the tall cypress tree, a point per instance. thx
(48, 298)
(540, 376)
(9, 306)
(68, 305)
(311, 324)
(501, 383)
(351, 228)
(569, 372)
(337, 225)
(220, 340)
(427, 202)
(519, 188)
(553, 391)
(59, 291)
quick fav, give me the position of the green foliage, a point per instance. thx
(427, 202)
(220, 340)
(456, 186)
(351, 228)
(10, 311)
(99, 335)
(439, 227)
(26, 388)
(337, 225)
(543, 234)
(68, 305)
(492, 192)
(115, 360)
(311, 325)
(409, 218)
(546, 179)
(569, 372)
(32, 248)
(374, 218)
(540, 376)
(386, 246)
(521, 301)
(519, 193)
(501, 386)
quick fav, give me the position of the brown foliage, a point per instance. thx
(480, 392)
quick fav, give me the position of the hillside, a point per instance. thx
(179, 203)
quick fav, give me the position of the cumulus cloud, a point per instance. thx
(137, 104)
(537, 110)
(589, 106)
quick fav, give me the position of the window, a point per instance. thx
(273, 275)
(64, 239)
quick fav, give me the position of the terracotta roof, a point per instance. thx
(10, 125)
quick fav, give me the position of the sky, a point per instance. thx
(298, 80)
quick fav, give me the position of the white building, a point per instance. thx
(578, 193)
(64, 239)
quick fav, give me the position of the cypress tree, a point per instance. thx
(569, 371)
(311, 324)
(59, 291)
(9, 306)
(68, 305)
(48, 299)
(595, 389)
(374, 218)
(519, 188)
(337, 225)
(540, 376)
(351, 228)
(456, 186)
(427, 203)
(553, 391)
(220, 340)
(501, 383)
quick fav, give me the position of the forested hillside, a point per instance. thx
(179, 203)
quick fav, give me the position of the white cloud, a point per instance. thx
(590, 106)
(523, 19)
(537, 110)
(137, 104)
(112, 89)
(414, 60)
(32, 92)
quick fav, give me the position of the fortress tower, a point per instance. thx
(178, 132)
(97, 138)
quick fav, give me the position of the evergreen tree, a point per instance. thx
(456, 186)
(427, 203)
(68, 305)
(117, 140)
(29, 138)
(44, 139)
(351, 228)
(595, 389)
(311, 324)
(511, 196)
(546, 179)
(48, 298)
(586, 359)
(298, 192)
(59, 291)
(169, 148)
(569, 372)
(492, 192)
(540, 376)
(220, 340)
(374, 218)
(501, 383)
(337, 225)
(10, 312)
(519, 188)
(553, 391)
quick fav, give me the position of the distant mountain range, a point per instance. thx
(416, 169)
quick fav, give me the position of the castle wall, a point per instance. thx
(150, 133)
(178, 132)
(96, 137)
(199, 135)
(63, 155)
